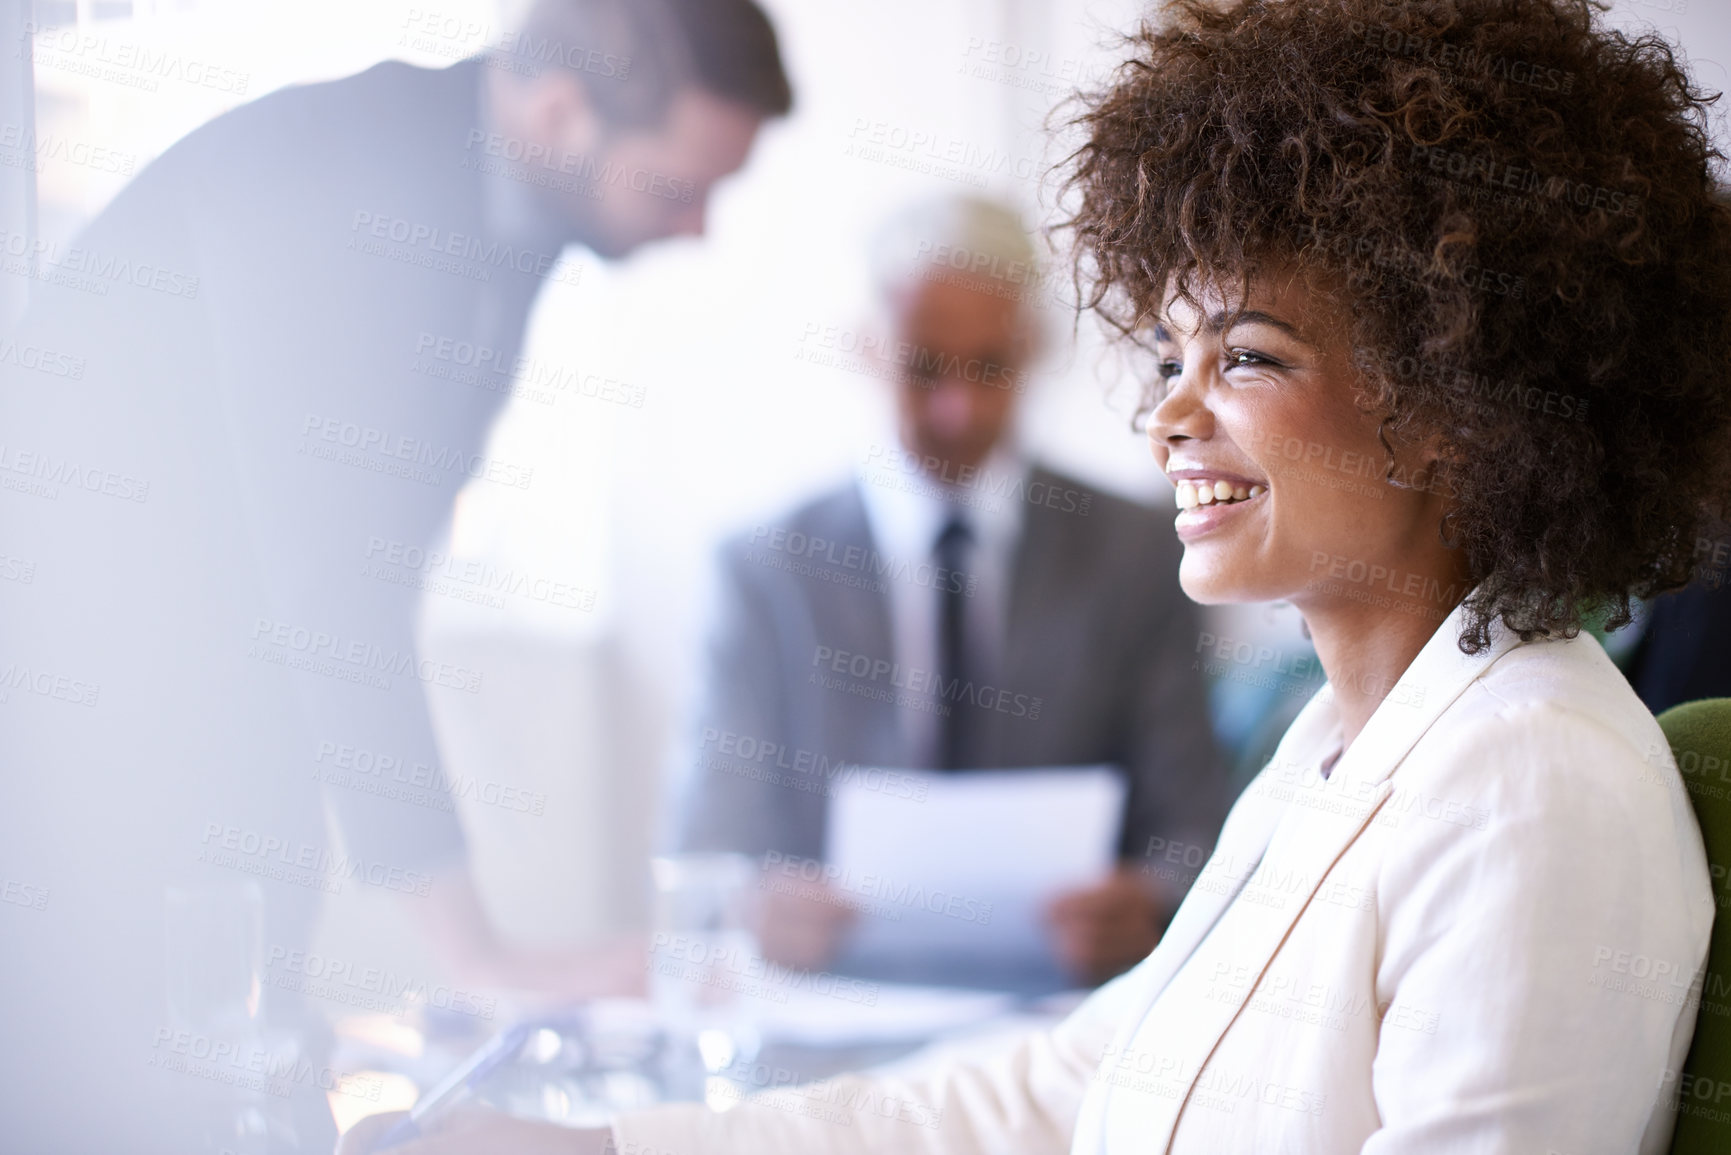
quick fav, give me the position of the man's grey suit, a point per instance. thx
(1098, 665)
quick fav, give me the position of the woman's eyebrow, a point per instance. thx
(1216, 323)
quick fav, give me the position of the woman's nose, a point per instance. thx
(1181, 414)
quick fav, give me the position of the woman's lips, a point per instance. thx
(1197, 475)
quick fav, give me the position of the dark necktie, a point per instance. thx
(954, 700)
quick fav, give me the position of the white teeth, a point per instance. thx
(1191, 494)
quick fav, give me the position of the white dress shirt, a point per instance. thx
(1483, 933)
(906, 514)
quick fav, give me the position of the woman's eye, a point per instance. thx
(1237, 358)
(1169, 369)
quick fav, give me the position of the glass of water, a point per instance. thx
(215, 979)
(216, 958)
(706, 974)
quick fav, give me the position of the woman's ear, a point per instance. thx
(1438, 461)
(1425, 464)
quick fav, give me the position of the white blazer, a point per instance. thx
(1485, 931)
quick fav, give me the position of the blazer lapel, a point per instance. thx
(1317, 828)
(1315, 821)
(1243, 842)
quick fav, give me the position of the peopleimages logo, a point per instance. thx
(859, 559)
(723, 965)
(868, 892)
(439, 572)
(747, 756)
(350, 443)
(369, 987)
(273, 1071)
(31, 147)
(584, 169)
(1489, 172)
(81, 50)
(41, 360)
(360, 656)
(456, 35)
(484, 367)
(366, 770)
(265, 853)
(23, 894)
(18, 676)
(969, 484)
(479, 256)
(924, 683)
(110, 267)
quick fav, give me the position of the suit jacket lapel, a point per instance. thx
(1243, 842)
(1038, 554)
(1044, 627)
(1304, 848)
(1312, 822)
(1325, 816)
(858, 620)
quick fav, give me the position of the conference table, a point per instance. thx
(581, 1063)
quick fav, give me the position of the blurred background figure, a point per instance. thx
(238, 491)
(953, 552)
(1682, 650)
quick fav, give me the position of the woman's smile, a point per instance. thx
(1209, 499)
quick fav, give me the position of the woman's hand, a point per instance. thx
(479, 1132)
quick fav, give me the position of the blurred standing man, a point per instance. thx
(1034, 585)
(228, 421)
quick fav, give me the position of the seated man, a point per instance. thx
(953, 553)
(1684, 648)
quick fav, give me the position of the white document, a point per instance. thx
(874, 1013)
(963, 864)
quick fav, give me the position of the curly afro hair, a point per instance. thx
(1515, 208)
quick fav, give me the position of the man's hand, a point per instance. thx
(480, 1132)
(802, 924)
(1108, 928)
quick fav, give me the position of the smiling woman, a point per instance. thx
(1440, 297)
(1241, 382)
(1499, 222)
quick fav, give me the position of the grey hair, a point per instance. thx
(955, 236)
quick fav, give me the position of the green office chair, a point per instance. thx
(1700, 737)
